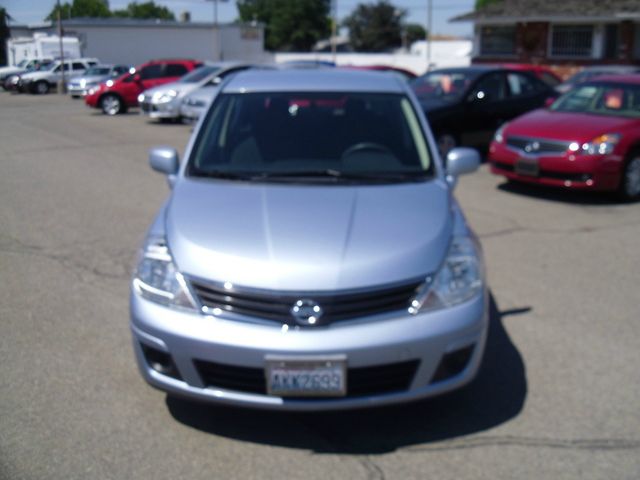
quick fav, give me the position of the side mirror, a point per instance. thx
(216, 80)
(549, 101)
(460, 161)
(137, 78)
(164, 160)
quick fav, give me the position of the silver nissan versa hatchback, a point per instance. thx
(311, 255)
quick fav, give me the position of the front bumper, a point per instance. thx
(567, 170)
(430, 340)
(160, 110)
(78, 91)
(191, 112)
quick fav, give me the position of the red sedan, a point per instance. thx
(587, 139)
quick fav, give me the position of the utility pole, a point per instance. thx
(62, 85)
(427, 37)
(334, 28)
(216, 26)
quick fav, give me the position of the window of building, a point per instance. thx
(611, 41)
(572, 41)
(498, 40)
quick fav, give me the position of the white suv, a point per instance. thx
(44, 80)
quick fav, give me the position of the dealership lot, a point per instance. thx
(557, 397)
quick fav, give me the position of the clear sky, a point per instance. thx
(34, 11)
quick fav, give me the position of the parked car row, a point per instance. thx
(589, 138)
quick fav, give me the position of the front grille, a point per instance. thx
(276, 306)
(146, 107)
(362, 381)
(537, 146)
(573, 177)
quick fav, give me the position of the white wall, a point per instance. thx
(443, 54)
(137, 44)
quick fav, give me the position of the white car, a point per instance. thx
(42, 81)
(163, 102)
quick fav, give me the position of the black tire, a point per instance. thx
(111, 104)
(629, 188)
(41, 87)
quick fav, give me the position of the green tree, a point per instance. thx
(4, 33)
(414, 32)
(145, 10)
(484, 3)
(290, 25)
(80, 9)
(375, 27)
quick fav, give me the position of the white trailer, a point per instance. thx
(41, 46)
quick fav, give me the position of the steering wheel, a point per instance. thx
(364, 146)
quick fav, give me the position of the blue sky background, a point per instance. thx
(34, 11)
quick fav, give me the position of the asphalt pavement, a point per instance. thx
(558, 395)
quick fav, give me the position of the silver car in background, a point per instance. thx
(79, 86)
(311, 255)
(164, 101)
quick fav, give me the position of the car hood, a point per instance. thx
(579, 127)
(6, 71)
(308, 237)
(90, 78)
(180, 88)
(36, 75)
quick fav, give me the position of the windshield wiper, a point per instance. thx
(338, 174)
(226, 175)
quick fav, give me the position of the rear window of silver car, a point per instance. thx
(310, 133)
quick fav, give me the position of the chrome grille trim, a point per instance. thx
(275, 306)
(543, 146)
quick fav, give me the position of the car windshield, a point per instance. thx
(22, 64)
(354, 137)
(614, 99)
(95, 71)
(448, 85)
(199, 74)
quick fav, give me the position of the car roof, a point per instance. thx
(329, 80)
(629, 79)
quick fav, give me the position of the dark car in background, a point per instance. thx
(588, 139)
(465, 106)
(116, 96)
(594, 71)
(406, 74)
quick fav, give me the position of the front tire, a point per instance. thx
(41, 87)
(111, 105)
(629, 189)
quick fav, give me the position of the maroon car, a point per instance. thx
(587, 139)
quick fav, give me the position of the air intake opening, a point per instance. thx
(160, 361)
(452, 364)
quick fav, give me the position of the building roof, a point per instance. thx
(553, 10)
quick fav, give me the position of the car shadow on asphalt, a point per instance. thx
(494, 397)
(552, 194)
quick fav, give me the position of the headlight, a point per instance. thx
(460, 278)
(157, 278)
(165, 97)
(83, 83)
(192, 102)
(109, 83)
(498, 136)
(141, 98)
(91, 91)
(602, 145)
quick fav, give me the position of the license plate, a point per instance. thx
(324, 376)
(527, 166)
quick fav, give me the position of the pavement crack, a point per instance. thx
(595, 444)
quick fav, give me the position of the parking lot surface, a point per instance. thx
(558, 395)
